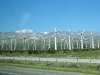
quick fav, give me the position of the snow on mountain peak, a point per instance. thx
(24, 31)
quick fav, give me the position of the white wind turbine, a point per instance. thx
(49, 43)
(86, 43)
(69, 40)
(61, 43)
(34, 42)
(24, 41)
(77, 43)
(81, 38)
(11, 38)
(55, 38)
(15, 44)
(2, 44)
(98, 44)
(92, 39)
(32, 45)
(44, 40)
(72, 43)
(20, 34)
(6, 45)
(28, 45)
(35, 47)
(45, 37)
(64, 43)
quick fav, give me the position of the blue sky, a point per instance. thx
(44, 15)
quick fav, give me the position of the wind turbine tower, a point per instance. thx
(49, 43)
(98, 44)
(82, 39)
(69, 40)
(55, 39)
(92, 41)
(2, 44)
(24, 45)
(11, 39)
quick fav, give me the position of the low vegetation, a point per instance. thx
(86, 53)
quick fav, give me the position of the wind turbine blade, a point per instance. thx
(55, 29)
(68, 30)
(83, 31)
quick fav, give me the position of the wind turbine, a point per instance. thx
(81, 34)
(92, 38)
(15, 44)
(64, 43)
(32, 45)
(44, 42)
(69, 41)
(34, 42)
(11, 37)
(72, 44)
(86, 42)
(49, 43)
(24, 46)
(82, 39)
(77, 44)
(61, 43)
(35, 47)
(55, 38)
(2, 44)
(98, 44)
(28, 46)
(6, 45)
